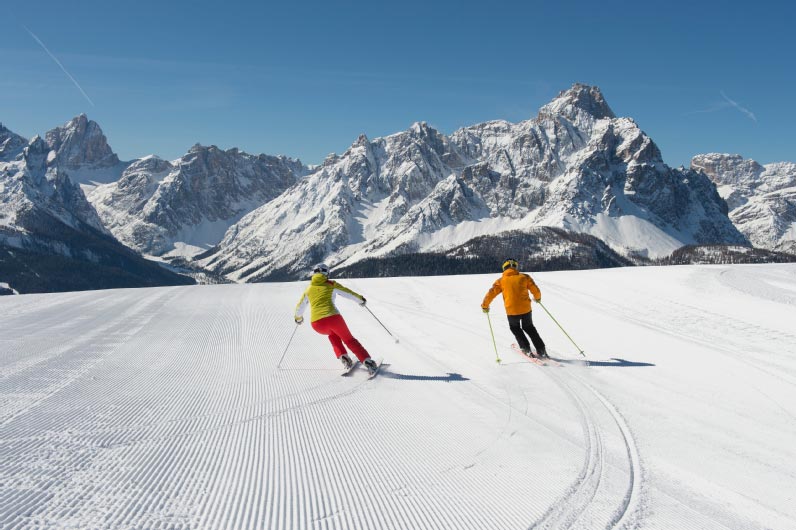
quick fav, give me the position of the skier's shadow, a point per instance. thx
(613, 363)
(450, 378)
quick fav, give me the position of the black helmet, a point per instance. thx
(511, 263)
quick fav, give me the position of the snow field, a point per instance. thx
(192, 407)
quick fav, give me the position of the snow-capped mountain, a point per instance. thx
(185, 206)
(11, 144)
(82, 151)
(575, 166)
(45, 217)
(79, 143)
(34, 191)
(762, 198)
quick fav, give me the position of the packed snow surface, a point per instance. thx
(206, 407)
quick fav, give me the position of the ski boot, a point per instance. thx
(371, 365)
(347, 362)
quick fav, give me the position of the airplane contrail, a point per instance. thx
(749, 114)
(54, 58)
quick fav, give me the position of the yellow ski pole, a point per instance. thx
(561, 328)
(497, 357)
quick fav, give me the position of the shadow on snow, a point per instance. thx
(451, 377)
(613, 363)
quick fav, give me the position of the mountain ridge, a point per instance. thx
(420, 190)
(761, 198)
(46, 219)
(575, 166)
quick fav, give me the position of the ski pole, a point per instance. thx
(561, 328)
(497, 357)
(382, 325)
(279, 364)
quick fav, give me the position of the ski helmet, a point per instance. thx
(511, 263)
(322, 268)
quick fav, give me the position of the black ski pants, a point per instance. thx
(521, 324)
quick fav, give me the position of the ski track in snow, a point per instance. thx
(183, 408)
(585, 504)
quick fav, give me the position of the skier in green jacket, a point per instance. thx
(327, 320)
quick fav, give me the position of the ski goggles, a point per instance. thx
(511, 263)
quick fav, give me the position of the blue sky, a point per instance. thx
(306, 78)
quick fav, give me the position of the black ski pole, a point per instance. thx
(382, 325)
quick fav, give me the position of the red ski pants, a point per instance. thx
(337, 330)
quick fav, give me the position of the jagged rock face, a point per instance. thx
(158, 206)
(580, 101)
(33, 190)
(320, 213)
(51, 238)
(761, 198)
(80, 143)
(11, 144)
(575, 166)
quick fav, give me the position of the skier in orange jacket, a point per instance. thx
(515, 287)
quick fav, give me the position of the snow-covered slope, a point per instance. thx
(206, 407)
(185, 206)
(575, 166)
(538, 248)
(762, 199)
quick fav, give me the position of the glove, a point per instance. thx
(538, 300)
(485, 309)
(363, 301)
(298, 320)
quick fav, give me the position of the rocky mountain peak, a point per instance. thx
(152, 163)
(730, 169)
(36, 153)
(199, 148)
(362, 140)
(423, 130)
(11, 144)
(586, 98)
(186, 205)
(761, 198)
(81, 142)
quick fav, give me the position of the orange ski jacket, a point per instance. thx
(515, 287)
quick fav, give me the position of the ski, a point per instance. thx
(551, 362)
(347, 371)
(532, 358)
